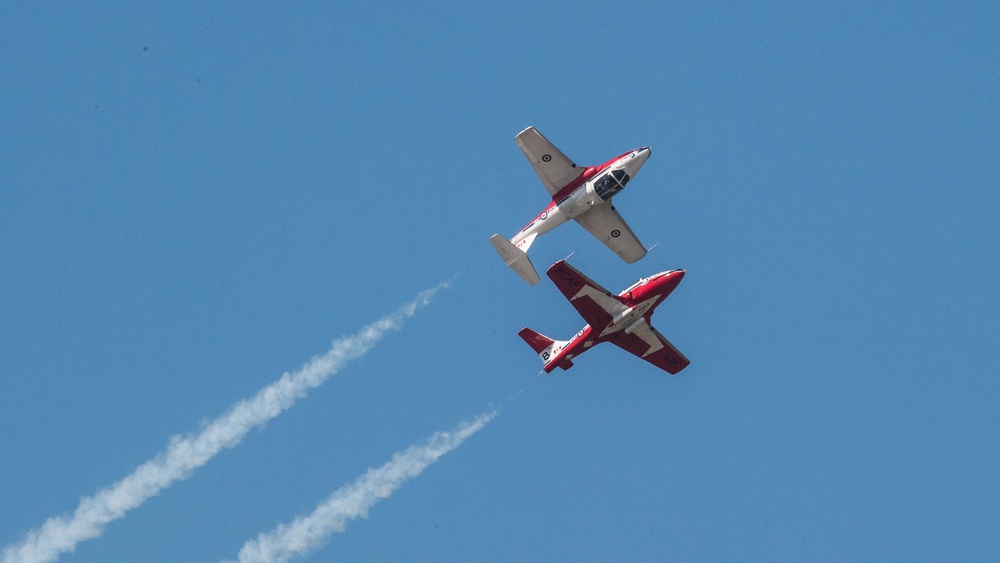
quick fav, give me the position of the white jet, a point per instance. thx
(581, 194)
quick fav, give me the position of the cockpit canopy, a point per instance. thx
(610, 184)
(642, 281)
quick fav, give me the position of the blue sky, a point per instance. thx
(199, 198)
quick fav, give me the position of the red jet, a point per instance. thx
(621, 319)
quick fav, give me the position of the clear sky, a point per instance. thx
(196, 198)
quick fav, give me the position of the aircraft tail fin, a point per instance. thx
(516, 258)
(525, 243)
(545, 347)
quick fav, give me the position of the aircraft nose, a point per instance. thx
(635, 163)
(675, 278)
(643, 154)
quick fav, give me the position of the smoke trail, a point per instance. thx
(353, 500)
(183, 454)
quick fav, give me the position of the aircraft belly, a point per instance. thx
(578, 345)
(544, 223)
(579, 202)
(634, 325)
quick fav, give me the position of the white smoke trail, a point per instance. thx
(353, 500)
(183, 454)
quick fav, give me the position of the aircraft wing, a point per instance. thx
(551, 165)
(647, 343)
(594, 303)
(604, 222)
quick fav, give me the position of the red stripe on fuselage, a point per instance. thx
(588, 173)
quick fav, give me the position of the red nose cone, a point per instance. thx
(670, 281)
(676, 277)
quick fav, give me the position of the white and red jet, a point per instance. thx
(621, 319)
(582, 194)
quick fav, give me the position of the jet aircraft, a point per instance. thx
(583, 194)
(621, 319)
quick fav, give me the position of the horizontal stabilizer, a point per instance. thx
(538, 342)
(515, 258)
(546, 348)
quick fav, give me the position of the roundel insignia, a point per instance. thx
(616, 233)
(546, 157)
